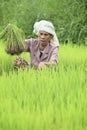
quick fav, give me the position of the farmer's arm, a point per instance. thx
(25, 48)
(28, 43)
(53, 60)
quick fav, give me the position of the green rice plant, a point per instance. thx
(47, 99)
(7, 61)
(14, 39)
(43, 100)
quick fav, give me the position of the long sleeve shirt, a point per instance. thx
(49, 55)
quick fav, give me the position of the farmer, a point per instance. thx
(44, 49)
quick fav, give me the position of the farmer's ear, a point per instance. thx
(51, 36)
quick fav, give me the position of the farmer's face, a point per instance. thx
(44, 37)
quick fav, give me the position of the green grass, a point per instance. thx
(47, 99)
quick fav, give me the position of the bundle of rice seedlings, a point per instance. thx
(14, 39)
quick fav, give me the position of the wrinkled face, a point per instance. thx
(44, 37)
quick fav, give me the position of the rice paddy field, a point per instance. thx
(47, 99)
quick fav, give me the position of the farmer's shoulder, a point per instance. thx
(31, 41)
(53, 45)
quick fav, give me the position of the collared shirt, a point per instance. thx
(50, 53)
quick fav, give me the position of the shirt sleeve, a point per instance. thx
(54, 56)
(28, 44)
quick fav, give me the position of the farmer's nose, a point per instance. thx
(42, 36)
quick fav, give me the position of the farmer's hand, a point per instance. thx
(41, 65)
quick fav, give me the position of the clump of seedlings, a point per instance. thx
(14, 39)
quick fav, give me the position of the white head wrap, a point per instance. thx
(44, 25)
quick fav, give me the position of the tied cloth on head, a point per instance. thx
(46, 26)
